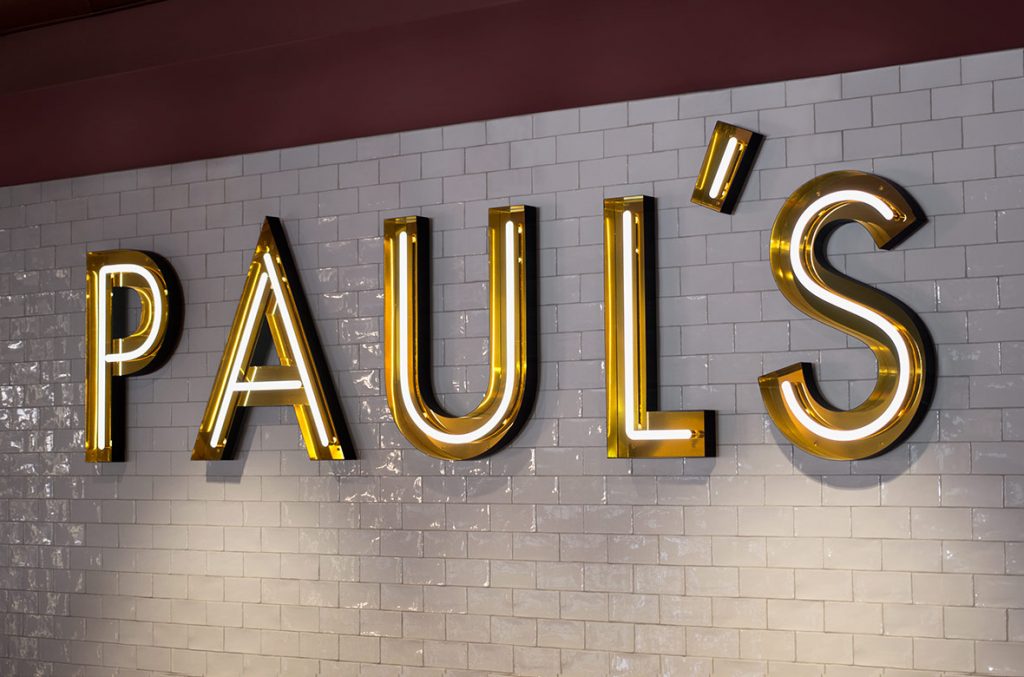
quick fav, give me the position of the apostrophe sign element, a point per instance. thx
(727, 163)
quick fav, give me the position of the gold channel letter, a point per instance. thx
(892, 332)
(726, 165)
(634, 429)
(109, 357)
(407, 344)
(272, 291)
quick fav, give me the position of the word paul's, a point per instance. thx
(636, 429)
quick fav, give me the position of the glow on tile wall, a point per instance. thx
(546, 557)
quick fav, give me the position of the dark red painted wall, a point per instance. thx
(186, 79)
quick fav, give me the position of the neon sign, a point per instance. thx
(635, 428)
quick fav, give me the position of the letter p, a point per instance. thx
(112, 353)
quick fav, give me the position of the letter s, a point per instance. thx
(893, 333)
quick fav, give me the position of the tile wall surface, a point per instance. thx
(546, 557)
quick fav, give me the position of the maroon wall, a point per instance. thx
(187, 79)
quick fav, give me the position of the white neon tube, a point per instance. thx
(307, 383)
(158, 307)
(250, 386)
(723, 167)
(405, 376)
(101, 329)
(902, 350)
(629, 355)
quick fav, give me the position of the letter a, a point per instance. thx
(272, 291)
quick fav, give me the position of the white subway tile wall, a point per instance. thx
(546, 557)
